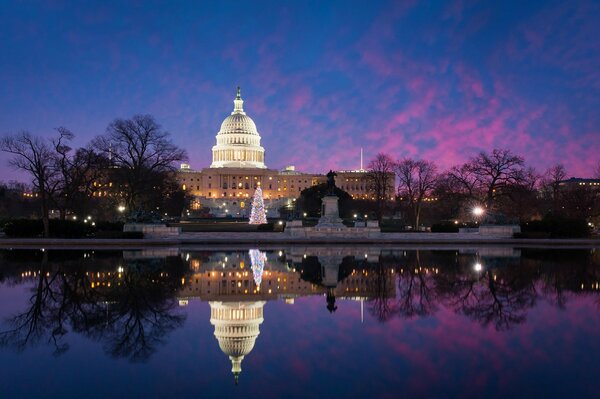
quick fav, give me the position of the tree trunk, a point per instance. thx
(45, 218)
(417, 216)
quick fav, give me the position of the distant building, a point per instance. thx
(580, 182)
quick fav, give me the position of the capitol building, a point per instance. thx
(238, 167)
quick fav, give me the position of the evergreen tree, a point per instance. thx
(258, 215)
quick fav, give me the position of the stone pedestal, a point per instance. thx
(330, 214)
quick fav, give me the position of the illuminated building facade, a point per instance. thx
(238, 168)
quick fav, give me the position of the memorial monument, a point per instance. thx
(330, 213)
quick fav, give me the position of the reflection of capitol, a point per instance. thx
(238, 284)
(236, 329)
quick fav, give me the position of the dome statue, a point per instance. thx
(236, 329)
(238, 141)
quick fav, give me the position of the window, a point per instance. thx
(246, 186)
(225, 186)
(209, 185)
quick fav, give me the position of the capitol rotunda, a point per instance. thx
(238, 141)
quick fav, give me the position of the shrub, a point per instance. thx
(24, 228)
(444, 227)
(557, 227)
(35, 228)
(265, 227)
(69, 229)
(109, 226)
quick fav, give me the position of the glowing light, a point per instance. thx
(478, 211)
(478, 267)
(258, 260)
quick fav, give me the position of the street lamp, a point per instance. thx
(121, 208)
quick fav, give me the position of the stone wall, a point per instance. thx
(153, 230)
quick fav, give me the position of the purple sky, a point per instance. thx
(431, 80)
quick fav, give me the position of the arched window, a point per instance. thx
(246, 186)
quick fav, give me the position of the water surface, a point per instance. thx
(300, 322)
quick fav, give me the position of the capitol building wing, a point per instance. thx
(238, 168)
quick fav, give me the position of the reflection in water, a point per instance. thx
(258, 260)
(128, 308)
(128, 301)
(236, 328)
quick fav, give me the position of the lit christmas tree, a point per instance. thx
(257, 260)
(258, 215)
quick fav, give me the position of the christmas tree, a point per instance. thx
(257, 260)
(257, 215)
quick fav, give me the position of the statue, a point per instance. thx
(331, 182)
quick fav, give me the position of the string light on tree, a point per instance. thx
(257, 260)
(258, 215)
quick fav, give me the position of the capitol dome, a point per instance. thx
(236, 329)
(238, 141)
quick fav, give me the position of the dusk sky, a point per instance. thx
(321, 79)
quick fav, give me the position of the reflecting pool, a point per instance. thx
(300, 322)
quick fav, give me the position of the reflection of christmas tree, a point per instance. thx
(257, 215)
(257, 259)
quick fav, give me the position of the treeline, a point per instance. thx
(129, 168)
(498, 185)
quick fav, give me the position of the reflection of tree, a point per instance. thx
(130, 312)
(139, 314)
(44, 318)
(499, 302)
(382, 305)
(498, 296)
(416, 290)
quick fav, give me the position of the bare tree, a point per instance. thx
(380, 180)
(78, 170)
(35, 156)
(551, 185)
(521, 200)
(143, 153)
(463, 181)
(494, 172)
(417, 180)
